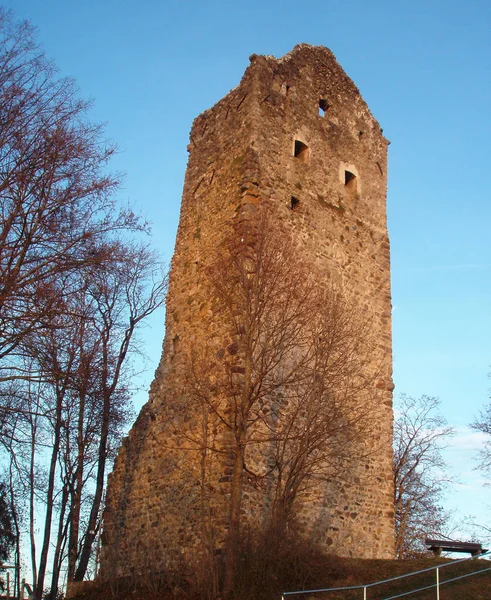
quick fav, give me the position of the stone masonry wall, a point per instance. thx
(330, 198)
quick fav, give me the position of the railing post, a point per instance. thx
(437, 583)
(365, 592)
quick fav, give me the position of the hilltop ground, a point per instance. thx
(335, 572)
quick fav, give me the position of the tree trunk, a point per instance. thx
(31, 506)
(49, 500)
(60, 542)
(233, 539)
(96, 503)
(76, 495)
(15, 520)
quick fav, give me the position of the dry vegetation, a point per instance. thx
(300, 566)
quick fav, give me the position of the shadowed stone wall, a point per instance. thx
(296, 133)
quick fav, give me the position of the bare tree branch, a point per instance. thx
(420, 473)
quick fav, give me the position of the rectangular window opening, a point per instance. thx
(294, 202)
(349, 178)
(301, 151)
(323, 106)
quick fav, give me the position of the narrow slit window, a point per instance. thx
(323, 106)
(301, 151)
(294, 202)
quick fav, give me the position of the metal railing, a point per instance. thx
(22, 586)
(364, 588)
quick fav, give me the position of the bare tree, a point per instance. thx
(24, 440)
(420, 473)
(81, 405)
(7, 524)
(55, 199)
(125, 295)
(483, 424)
(282, 401)
(74, 289)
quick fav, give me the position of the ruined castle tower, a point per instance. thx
(297, 134)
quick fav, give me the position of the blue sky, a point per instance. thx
(424, 67)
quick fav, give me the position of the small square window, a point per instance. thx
(294, 202)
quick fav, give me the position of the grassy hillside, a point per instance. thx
(321, 572)
(362, 572)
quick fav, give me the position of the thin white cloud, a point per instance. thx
(466, 439)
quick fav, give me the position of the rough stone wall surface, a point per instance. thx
(241, 152)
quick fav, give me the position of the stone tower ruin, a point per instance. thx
(295, 133)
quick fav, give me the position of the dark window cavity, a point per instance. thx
(301, 151)
(323, 106)
(349, 179)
